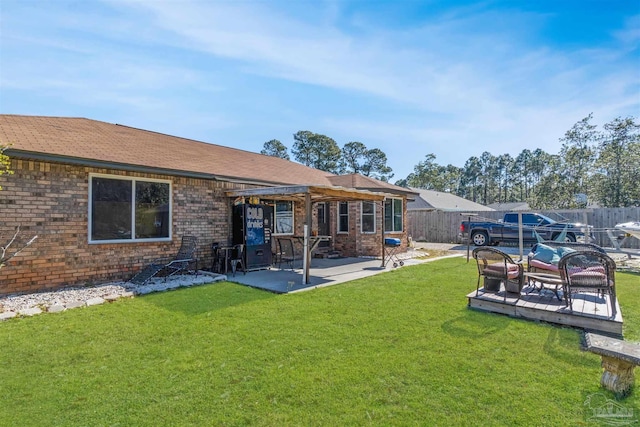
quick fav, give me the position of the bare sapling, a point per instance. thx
(7, 253)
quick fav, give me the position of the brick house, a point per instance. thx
(107, 199)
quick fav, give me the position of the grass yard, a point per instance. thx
(399, 348)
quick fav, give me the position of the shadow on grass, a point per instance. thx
(561, 345)
(202, 299)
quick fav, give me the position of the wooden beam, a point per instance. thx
(318, 193)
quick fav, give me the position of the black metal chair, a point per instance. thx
(275, 251)
(497, 267)
(286, 252)
(237, 257)
(217, 258)
(588, 272)
(181, 262)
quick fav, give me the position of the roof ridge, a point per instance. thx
(47, 117)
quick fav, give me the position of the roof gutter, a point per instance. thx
(80, 161)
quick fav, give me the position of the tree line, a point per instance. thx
(593, 166)
(600, 167)
(322, 152)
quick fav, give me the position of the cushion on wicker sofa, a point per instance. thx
(546, 254)
(543, 265)
(550, 255)
(545, 257)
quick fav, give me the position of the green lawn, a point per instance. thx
(399, 348)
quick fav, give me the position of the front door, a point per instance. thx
(324, 223)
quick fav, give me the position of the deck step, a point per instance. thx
(326, 253)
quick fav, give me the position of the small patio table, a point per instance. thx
(548, 281)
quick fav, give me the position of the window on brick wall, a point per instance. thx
(282, 216)
(343, 217)
(368, 217)
(126, 209)
(393, 215)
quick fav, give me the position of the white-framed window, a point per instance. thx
(283, 217)
(393, 215)
(125, 209)
(368, 217)
(343, 217)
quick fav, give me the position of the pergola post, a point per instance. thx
(382, 233)
(306, 255)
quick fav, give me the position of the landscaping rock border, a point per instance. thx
(26, 305)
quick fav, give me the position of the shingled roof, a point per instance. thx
(438, 200)
(361, 182)
(96, 143)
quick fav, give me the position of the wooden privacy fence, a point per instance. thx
(443, 227)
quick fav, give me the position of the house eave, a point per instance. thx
(81, 161)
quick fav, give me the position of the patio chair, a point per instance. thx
(181, 262)
(588, 272)
(237, 257)
(286, 253)
(217, 258)
(497, 267)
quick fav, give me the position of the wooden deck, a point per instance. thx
(590, 312)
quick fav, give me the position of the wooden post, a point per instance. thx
(520, 239)
(585, 230)
(305, 249)
(381, 229)
(469, 215)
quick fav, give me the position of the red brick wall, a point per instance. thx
(51, 200)
(355, 243)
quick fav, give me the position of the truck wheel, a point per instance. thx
(479, 238)
(570, 238)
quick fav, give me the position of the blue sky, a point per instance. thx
(408, 77)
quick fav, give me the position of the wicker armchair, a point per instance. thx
(588, 272)
(496, 267)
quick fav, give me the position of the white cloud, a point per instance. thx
(456, 84)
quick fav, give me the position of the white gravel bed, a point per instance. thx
(62, 299)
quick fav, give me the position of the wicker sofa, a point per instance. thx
(544, 257)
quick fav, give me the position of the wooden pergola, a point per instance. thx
(310, 194)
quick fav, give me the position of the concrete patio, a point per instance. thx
(323, 272)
